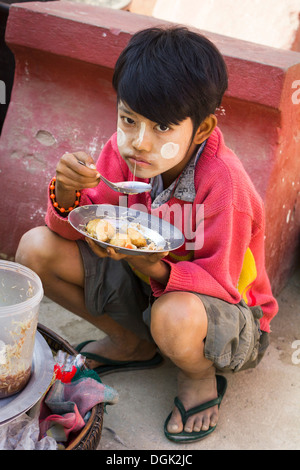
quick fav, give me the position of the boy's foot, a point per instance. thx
(142, 351)
(194, 392)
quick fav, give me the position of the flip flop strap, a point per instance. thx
(95, 357)
(185, 414)
(105, 360)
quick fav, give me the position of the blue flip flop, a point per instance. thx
(184, 436)
(109, 366)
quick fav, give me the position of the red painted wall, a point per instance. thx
(63, 100)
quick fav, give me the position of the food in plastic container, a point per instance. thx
(21, 292)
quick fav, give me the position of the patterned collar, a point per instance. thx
(184, 187)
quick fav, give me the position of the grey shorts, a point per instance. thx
(234, 341)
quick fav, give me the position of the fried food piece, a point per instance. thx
(136, 238)
(100, 229)
(104, 231)
(121, 240)
(91, 227)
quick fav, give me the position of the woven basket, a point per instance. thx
(90, 435)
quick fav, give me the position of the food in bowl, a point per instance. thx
(125, 237)
(100, 229)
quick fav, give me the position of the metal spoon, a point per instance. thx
(126, 187)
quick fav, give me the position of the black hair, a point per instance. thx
(170, 74)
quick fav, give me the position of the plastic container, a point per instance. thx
(21, 292)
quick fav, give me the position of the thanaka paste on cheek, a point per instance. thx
(121, 138)
(169, 150)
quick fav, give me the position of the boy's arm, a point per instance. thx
(151, 265)
(70, 178)
(92, 193)
(217, 266)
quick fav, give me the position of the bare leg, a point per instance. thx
(58, 263)
(183, 316)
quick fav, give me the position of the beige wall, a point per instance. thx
(269, 22)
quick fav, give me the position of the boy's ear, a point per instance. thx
(205, 129)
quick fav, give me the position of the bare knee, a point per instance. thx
(51, 256)
(178, 319)
(34, 248)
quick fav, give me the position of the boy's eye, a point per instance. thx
(162, 128)
(127, 120)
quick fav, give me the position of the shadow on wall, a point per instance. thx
(7, 65)
(7, 61)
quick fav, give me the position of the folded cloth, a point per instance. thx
(59, 427)
(66, 405)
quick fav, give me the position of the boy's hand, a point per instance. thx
(149, 264)
(72, 176)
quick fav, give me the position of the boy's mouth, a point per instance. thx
(138, 161)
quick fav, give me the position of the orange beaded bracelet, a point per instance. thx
(55, 204)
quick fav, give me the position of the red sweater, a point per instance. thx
(230, 263)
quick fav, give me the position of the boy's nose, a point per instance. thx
(142, 140)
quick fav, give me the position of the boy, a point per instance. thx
(210, 305)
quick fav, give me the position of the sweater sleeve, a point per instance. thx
(210, 270)
(110, 165)
(61, 225)
(217, 266)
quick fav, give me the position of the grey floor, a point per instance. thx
(261, 408)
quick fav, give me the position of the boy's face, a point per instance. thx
(150, 149)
